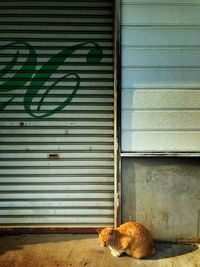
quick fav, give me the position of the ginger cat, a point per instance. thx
(131, 237)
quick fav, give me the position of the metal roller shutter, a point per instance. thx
(56, 113)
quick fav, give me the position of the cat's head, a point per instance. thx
(106, 236)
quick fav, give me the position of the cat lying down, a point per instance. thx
(131, 238)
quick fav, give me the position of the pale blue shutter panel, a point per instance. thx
(160, 76)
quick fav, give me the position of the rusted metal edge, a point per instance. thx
(159, 154)
(41, 230)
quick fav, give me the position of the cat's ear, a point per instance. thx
(99, 230)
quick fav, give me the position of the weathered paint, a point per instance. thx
(163, 194)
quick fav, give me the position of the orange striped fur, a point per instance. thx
(131, 238)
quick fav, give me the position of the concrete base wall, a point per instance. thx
(164, 195)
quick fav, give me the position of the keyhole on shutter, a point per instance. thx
(53, 156)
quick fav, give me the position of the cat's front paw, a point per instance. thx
(115, 254)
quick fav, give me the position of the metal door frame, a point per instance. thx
(117, 112)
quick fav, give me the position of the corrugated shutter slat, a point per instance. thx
(56, 114)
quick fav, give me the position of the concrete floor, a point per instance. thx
(57, 250)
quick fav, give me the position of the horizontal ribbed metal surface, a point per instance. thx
(160, 76)
(56, 113)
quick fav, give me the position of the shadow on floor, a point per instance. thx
(18, 242)
(168, 250)
(89, 242)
